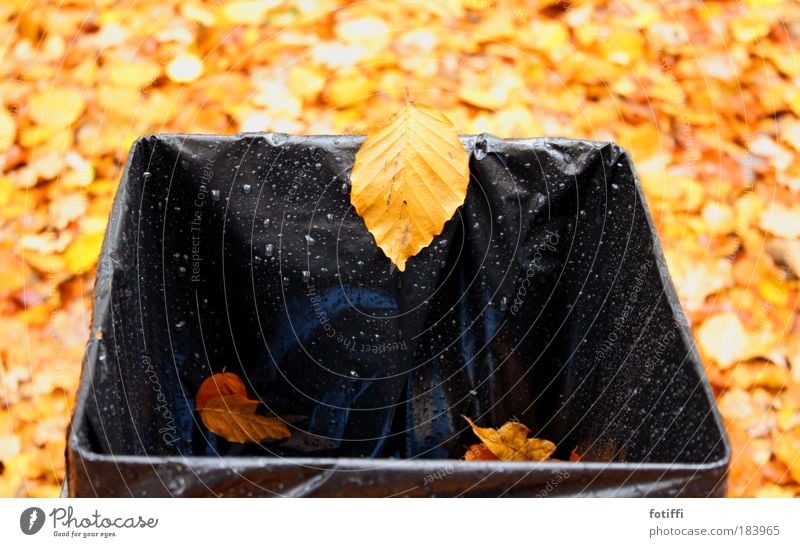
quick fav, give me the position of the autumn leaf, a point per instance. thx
(511, 443)
(409, 177)
(219, 385)
(226, 411)
(479, 452)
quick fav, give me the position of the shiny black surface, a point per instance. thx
(545, 299)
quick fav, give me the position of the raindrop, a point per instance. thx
(310, 240)
(527, 166)
(181, 271)
(330, 217)
(583, 213)
(306, 276)
(146, 176)
(480, 148)
(215, 195)
(266, 223)
(614, 186)
(503, 303)
(345, 188)
(499, 219)
(354, 373)
(317, 166)
(180, 325)
(246, 188)
(443, 243)
(269, 250)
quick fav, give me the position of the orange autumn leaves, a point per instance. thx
(227, 411)
(704, 94)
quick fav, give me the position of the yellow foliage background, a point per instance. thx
(706, 96)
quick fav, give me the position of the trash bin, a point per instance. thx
(545, 299)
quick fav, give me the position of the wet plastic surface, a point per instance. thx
(545, 299)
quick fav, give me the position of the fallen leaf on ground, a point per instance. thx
(511, 443)
(479, 452)
(227, 411)
(219, 385)
(409, 177)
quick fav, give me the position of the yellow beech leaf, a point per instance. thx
(234, 418)
(511, 443)
(409, 177)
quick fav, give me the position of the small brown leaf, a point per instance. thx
(234, 418)
(511, 442)
(479, 452)
(218, 385)
(227, 411)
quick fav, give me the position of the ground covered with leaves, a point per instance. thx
(706, 96)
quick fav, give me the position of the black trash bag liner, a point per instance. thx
(545, 299)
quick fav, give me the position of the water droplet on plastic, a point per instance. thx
(181, 271)
(499, 219)
(310, 240)
(503, 304)
(306, 276)
(583, 213)
(180, 325)
(344, 188)
(329, 217)
(246, 188)
(480, 148)
(215, 195)
(614, 186)
(269, 250)
(267, 222)
(146, 176)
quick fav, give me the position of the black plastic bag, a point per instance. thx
(546, 299)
